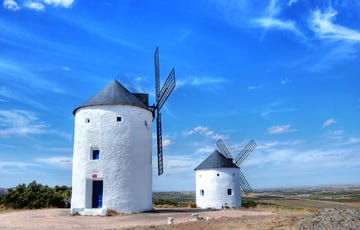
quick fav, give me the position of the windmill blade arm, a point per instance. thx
(244, 184)
(166, 90)
(245, 152)
(157, 73)
(159, 145)
(223, 149)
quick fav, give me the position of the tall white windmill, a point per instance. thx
(219, 178)
(112, 158)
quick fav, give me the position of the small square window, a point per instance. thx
(95, 154)
(118, 119)
(201, 192)
(87, 120)
(229, 191)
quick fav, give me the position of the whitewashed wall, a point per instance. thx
(125, 163)
(216, 188)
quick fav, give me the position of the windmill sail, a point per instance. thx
(159, 145)
(223, 149)
(166, 90)
(157, 74)
(238, 160)
(244, 184)
(161, 96)
(245, 152)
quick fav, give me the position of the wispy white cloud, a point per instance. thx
(53, 149)
(204, 150)
(312, 166)
(56, 161)
(199, 81)
(16, 168)
(95, 27)
(352, 140)
(263, 14)
(313, 158)
(254, 87)
(59, 3)
(181, 163)
(65, 68)
(285, 81)
(336, 135)
(27, 76)
(273, 9)
(205, 131)
(265, 145)
(167, 142)
(11, 5)
(280, 129)
(292, 2)
(16, 164)
(25, 123)
(20, 123)
(176, 168)
(334, 54)
(273, 23)
(38, 5)
(329, 122)
(20, 96)
(271, 20)
(183, 35)
(322, 24)
(277, 106)
(34, 5)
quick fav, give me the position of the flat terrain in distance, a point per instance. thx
(311, 197)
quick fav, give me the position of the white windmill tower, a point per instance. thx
(219, 178)
(112, 159)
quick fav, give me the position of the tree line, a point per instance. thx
(35, 195)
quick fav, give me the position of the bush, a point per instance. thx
(35, 195)
(191, 205)
(248, 203)
(165, 202)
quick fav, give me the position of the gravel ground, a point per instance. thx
(330, 218)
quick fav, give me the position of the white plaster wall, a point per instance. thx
(125, 163)
(216, 188)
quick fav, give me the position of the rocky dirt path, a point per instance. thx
(60, 218)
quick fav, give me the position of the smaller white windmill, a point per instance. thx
(219, 178)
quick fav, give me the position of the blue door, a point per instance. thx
(97, 194)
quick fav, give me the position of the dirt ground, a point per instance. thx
(218, 219)
(353, 203)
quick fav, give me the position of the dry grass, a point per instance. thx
(191, 205)
(309, 204)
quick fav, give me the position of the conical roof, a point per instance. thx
(113, 94)
(216, 160)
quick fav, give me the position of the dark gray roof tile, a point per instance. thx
(216, 160)
(115, 94)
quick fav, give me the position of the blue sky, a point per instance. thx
(285, 73)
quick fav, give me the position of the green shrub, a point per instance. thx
(35, 195)
(164, 202)
(248, 203)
